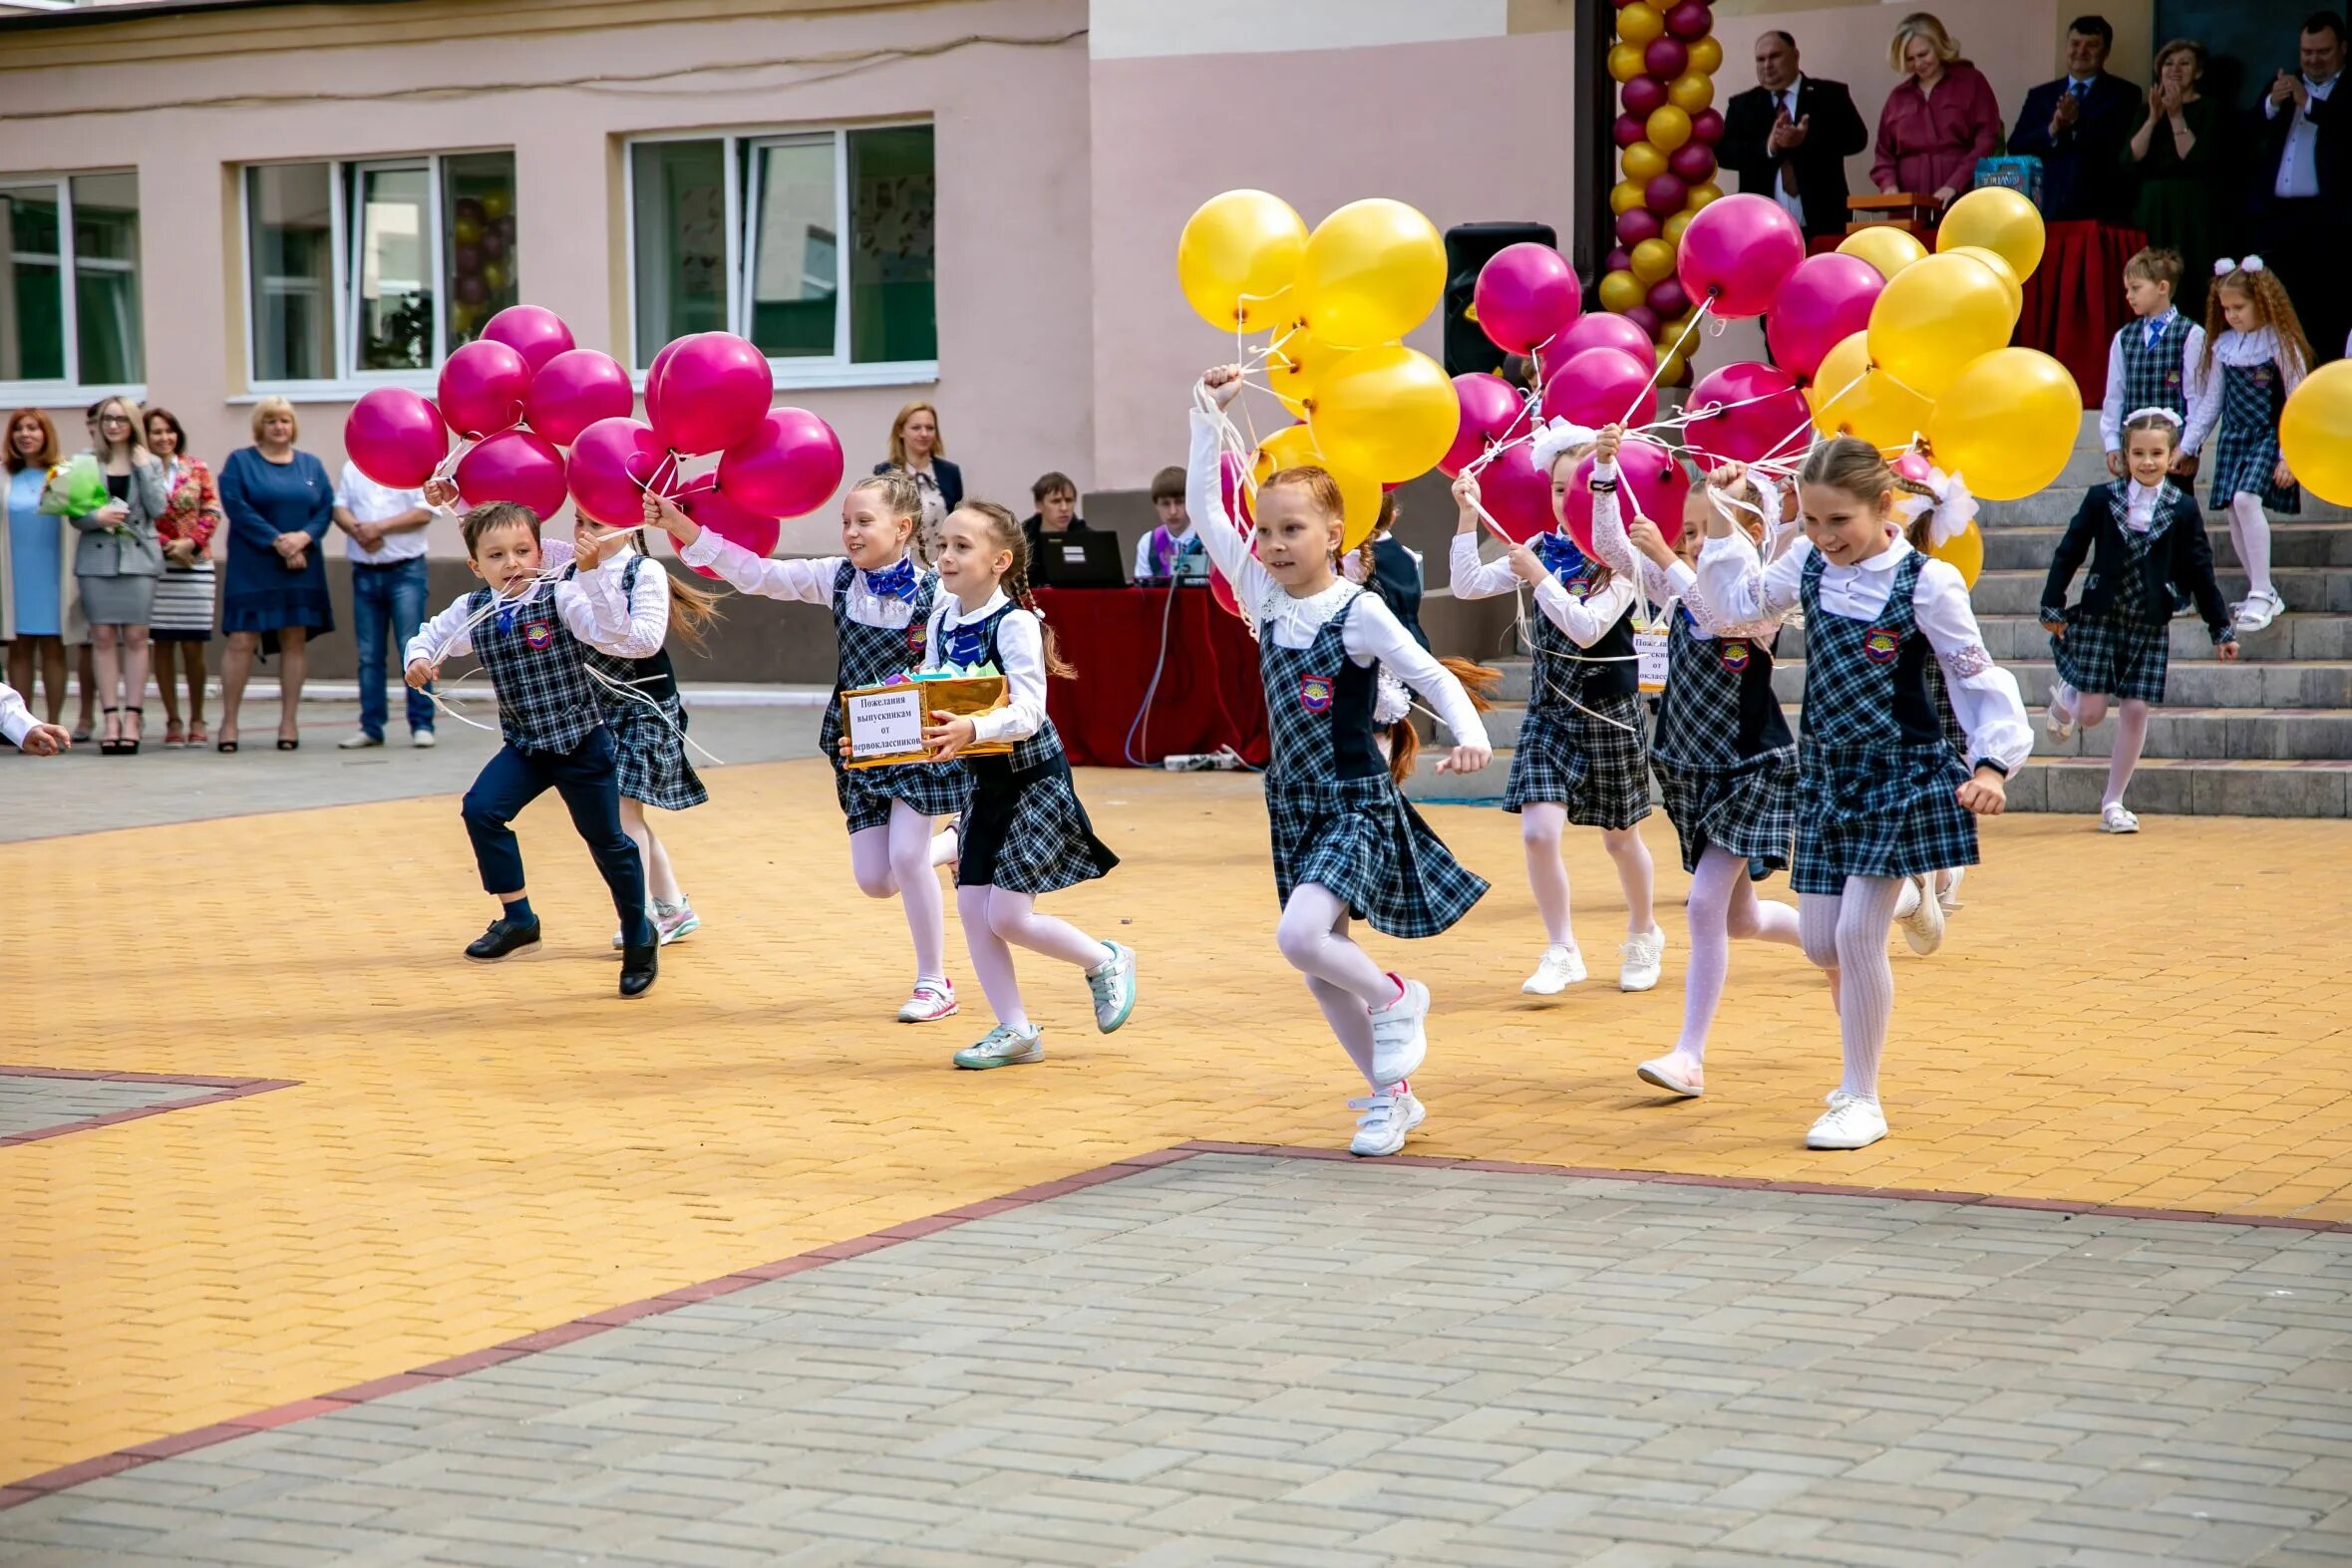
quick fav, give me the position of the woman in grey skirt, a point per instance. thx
(116, 561)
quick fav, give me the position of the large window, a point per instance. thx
(375, 270)
(84, 332)
(817, 246)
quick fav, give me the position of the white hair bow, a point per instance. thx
(1560, 435)
(2223, 266)
(2167, 414)
(1954, 508)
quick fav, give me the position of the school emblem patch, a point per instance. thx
(1733, 656)
(1314, 692)
(1879, 645)
(538, 636)
(919, 637)
(1581, 586)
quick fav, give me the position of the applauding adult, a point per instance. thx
(1789, 135)
(2175, 154)
(2077, 126)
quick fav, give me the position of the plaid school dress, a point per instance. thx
(1876, 778)
(538, 672)
(2125, 652)
(1337, 818)
(1581, 742)
(1725, 761)
(1024, 830)
(2245, 444)
(649, 742)
(870, 656)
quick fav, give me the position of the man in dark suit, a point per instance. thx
(2303, 196)
(2078, 127)
(1789, 136)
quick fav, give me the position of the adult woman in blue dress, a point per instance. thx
(38, 596)
(280, 503)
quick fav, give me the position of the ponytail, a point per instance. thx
(1480, 683)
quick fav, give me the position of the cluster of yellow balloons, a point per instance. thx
(1935, 358)
(1335, 301)
(2315, 432)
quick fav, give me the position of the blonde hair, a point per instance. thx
(1921, 24)
(1005, 529)
(1852, 467)
(272, 405)
(134, 445)
(898, 434)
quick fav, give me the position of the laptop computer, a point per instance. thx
(1079, 561)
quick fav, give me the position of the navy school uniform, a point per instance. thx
(871, 656)
(1581, 745)
(2118, 638)
(650, 742)
(2251, 398)
(1725, 761)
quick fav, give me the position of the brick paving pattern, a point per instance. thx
(30, 1103)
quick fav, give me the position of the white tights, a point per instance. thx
(894, 860)
(1344, 981)
(1845, 934)
(2131, 734)
(1722, 906)
(660, 880)
(994, 917)
(1540, 827)
(2250, 530)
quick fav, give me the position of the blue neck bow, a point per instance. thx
(965, 645)
(893, 582)
(1559, 554)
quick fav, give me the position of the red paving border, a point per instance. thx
(218, 1090)
(68, 1477)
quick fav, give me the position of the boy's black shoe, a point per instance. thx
(503, 939)
(639, 962)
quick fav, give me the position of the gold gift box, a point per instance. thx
(963, 693)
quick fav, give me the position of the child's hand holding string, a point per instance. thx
(948, 734)
(422, 674)
(1466, 497)
(1646, 539)
(663, 514)
(1987, 793)
(1224, 383)
(1527, 565)
(1605, 446)
(440, 494)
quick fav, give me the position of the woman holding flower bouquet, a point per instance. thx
(185, 594)
(116, 561)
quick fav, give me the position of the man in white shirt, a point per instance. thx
(21, 729)
(2307, 138)
(388, 586)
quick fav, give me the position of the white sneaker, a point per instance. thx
(358, 741)
(932, 1001)
(2113, 819)
(2259, 610)
(1849, 1122)
(1400, 1038)
(1560, 968)
(1644, 955)
(422, 740)
(673, 921)
(1674, 1072)
(1388, 1116)
(1113, 982)
(1950, 896)
(1922, 921)
(1003, 1046)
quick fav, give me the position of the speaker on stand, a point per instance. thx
(1468, 247)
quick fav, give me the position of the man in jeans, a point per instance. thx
(387, 549)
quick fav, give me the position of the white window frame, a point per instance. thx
(798, 372)
(71, 388)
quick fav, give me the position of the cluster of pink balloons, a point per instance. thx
(523, 392)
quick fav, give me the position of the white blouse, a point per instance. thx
(1020, 654)
(1665, 584)
(2243, 350)
(1983, 695)
(807, 581)
(1585, 621)
(2140, 507)
(1372, 635)
(589, 603)
(16, 719)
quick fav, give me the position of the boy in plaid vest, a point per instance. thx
(533, 637)
(2156, 362)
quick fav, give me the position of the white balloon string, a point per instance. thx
(1659, 367)
(628, 689)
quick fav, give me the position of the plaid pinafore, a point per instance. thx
(1877, 779)
(1024, 830)
(2153, 377)
(2127, 652)
(1337, 818)
(649, 742)
(1582, 744)
(871, 656)
(536, 668)
(2245, 443)
(1725, 761)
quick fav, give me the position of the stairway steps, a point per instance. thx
(2059, 504)
(2293, 546)
(2319, 589)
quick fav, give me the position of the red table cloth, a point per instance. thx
(1209, 696)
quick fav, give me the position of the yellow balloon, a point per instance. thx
(1294, 370)
(1653, 261)
(2008, 424)
(2000, 269)
(1999, 219)
(1705, 56)
(1372, 271)
(1625, 62)
(1668, 127)
(2315, 432)
(1883, 246)
(1690, 92)
(1292, 447)
(1965, 551)
(1625, 195)
(1849, 396)
(1701, 194)
(1670, 368)
(1389, 412)
(1676, 225)
(1238, 252)
(1622, 291)
(1640, 22)
(1642, 161)
(1935, 319)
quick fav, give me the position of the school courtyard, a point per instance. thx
(322, 1246)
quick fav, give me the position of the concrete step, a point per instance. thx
(2059, 502)
(2291, 636)
(2293, 546)
(2323, 589)
(2192, 683)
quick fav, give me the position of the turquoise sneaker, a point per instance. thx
(1003, 1046)
(1112, 980)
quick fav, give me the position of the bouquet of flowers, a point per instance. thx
(73, 488)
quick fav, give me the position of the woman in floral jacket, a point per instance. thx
(184, 598)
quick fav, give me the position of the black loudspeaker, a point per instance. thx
(1468, 247)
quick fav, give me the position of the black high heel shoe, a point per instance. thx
(130, 741)
(110, 746)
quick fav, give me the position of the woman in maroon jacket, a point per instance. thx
(1940, 121)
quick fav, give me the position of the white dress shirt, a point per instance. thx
(1792, 203)
(2298, 160)
(368, 502)
(2112, 411)
(1585, 621)
(1020, 654)
(805, 581)
(1983, 695)
(16, 719)
(589, 603)
(2243, 350)
(1372, 635)
(2140, 505)
(1664, 585)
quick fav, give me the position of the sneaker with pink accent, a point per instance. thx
(932, 1001)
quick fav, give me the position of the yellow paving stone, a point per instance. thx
(476, 1153)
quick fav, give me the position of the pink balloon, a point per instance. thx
(513, 465)
(483, 389)
(612, 464)
(573, 389)
(1650, 484)
(396, 437)
(1665, 57)
(1233, 476)
(791, 464)
(1646, 320)
(1516, 494)
(532, 331)
(1604, 330)
(1526, 295)
(1823, 302)
(1639, 225)
(1693, 163)
(1707, 126)
(1690, 20)
(712, 507)
(1627, 130)
(1601, 387)
(1643, 96)
(1666, 194)
(1745, 430)
(714, 391)
(1668, 300)
(653, 378)
(1736, 254)
(1914, 467)
(1490, 406)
